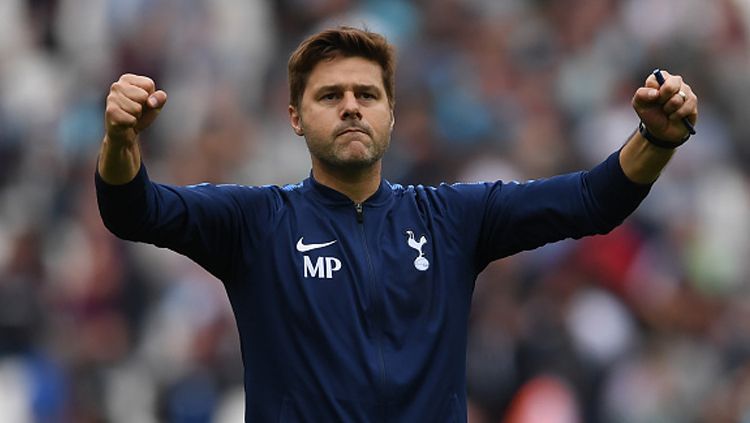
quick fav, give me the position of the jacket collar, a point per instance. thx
(330, 196)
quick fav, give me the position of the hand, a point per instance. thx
(661, 109)
(132, 105)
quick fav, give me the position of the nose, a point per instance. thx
(350, 107)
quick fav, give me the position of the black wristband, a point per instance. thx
(658, 142)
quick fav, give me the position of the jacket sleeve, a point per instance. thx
(211, 224)
(523, 216)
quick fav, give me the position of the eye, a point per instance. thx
(367, 96)
(329, 96)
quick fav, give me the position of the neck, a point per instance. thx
(358, 184)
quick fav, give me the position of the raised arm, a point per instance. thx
(132, 105)
(524, 216)
(661, 110)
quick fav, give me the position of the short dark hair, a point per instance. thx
(344, 41)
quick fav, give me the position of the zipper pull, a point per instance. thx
(360, 212)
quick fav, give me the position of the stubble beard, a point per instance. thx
(333, 156)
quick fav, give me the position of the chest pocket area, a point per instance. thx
(409, 282)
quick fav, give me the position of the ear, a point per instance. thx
(296, 121)
(393, 119)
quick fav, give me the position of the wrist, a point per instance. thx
(121, 140)
(658, 142)
(641, 161)
(118, 161)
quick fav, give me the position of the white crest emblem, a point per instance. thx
(420, 263)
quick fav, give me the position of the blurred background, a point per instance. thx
(650, 323)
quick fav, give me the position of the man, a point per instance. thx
(352, 294)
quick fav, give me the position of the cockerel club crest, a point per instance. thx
(420, 263)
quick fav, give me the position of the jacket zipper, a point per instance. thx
(360, 214)
(359, 208)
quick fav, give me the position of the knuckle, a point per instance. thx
(113, 99)
(113, 122)
(145, 83)
(122, 119)
(140, 95)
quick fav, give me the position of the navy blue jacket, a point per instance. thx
(352, 312)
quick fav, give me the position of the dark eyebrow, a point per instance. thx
(339, 87)
(366, 87)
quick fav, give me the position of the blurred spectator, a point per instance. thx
(646, 324)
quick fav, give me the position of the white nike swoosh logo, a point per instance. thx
(303, 248)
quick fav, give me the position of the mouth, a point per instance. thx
(350, 130)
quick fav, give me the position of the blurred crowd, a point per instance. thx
(650, 323)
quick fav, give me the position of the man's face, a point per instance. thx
(344, 114)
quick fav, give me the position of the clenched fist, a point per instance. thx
(662, 108)
(667, 112)
(132, 105)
